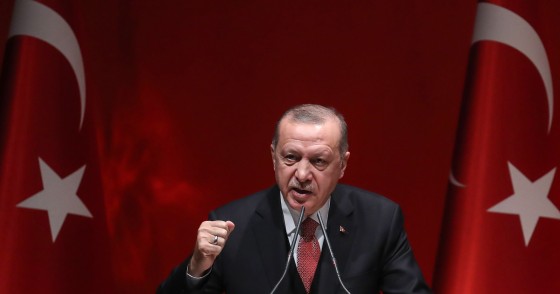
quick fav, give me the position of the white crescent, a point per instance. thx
(454, 181)
(34, 19)
(495, 23)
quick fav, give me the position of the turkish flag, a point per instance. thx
(52, 219)
(501, 231)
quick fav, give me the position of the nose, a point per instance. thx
(303, 171)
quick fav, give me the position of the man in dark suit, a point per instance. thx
(310, 154)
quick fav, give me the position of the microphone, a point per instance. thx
(291, 252)
(331, 253)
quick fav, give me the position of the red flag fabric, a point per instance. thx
(52, 219)
(502, 219)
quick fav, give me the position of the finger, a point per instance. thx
(206, 242)
(210, 233)
(214, 240)
(218, 228)
(208, 229)
(216, 224)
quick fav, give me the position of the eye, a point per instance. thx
(290, 158)
(320, 163)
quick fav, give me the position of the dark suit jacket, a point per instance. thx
(373, 253)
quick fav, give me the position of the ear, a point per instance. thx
(344, 163)
(273, 157)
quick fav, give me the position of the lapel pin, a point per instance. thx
(342, 229)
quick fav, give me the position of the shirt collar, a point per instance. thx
(291, 215)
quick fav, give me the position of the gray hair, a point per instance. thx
(314, 114)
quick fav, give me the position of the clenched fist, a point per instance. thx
(211, 238)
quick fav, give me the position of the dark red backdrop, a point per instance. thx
(187, 94)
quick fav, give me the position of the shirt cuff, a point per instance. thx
(192, 281)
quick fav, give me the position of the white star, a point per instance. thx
(58, 197)
(529, 201)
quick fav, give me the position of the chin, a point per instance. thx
(297, 205)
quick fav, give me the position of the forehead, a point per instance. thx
(327, 133)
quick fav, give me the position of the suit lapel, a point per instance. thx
(340, 228)
(270, 236)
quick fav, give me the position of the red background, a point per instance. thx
(186, 94)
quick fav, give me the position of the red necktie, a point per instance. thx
(308, 252)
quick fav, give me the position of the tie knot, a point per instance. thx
(308, 227)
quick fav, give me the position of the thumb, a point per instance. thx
(230, 226)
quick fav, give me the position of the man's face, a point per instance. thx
(307, 162)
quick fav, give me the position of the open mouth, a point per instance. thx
(301, 191)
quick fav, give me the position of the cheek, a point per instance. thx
(283, 173)
(326, 178)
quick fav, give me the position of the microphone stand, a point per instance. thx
(291, 252)
(331, 253)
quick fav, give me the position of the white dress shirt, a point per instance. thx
(291, 217)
